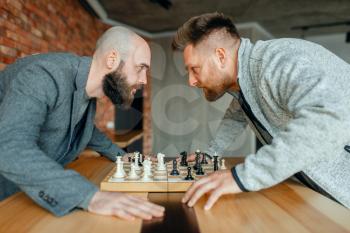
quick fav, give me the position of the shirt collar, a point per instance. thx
(82, 75)
(244, 51)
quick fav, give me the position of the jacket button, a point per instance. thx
(41, 193)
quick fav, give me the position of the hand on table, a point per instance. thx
(217, 184)
(124, 206)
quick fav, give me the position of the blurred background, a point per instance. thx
(167, 115)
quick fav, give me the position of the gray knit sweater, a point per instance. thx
(300, 92)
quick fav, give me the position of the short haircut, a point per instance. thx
(200, 27)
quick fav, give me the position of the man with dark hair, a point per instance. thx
(294, 94)
(47, 109)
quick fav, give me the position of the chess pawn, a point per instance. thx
(189, 174)
(120, 173)
(132, 174)
(223, 166)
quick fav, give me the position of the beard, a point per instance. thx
(116, 88)
(213, 94)
(216, 91)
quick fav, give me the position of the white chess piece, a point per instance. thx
(136, 162)
(120, 173)
(132, 174)
(147, 172)
(223, 166)
(161, 165)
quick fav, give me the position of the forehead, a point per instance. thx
(141, 53)
(191, 56)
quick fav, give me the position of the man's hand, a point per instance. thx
(217, 184)
(124, 206)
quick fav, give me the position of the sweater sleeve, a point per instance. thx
(314, 132)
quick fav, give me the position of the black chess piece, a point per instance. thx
(174, 172)
(183, 159)
(189, 174)
(216, 165)
(139, 161)
(204, 159)
(198, 155)
(200, 171)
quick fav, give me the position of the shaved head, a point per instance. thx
(120, 64)
(117, 38)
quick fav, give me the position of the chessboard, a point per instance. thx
(158, 181)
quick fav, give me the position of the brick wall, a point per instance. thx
(40, 26)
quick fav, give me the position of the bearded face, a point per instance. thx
(116, 87)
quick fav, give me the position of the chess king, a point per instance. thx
(294, 94)
(47, 109)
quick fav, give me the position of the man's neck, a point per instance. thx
(94, 83)
(234, 86)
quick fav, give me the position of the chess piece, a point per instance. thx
(222, 167)
(147, 170)
(174, 172)
(140, 159)
(120, 173)
(198, 154)
(161, 165)
(183, 159)
(204, 159)
(216, 166)
(136, 161)
(189, 174)
(199, 171)
(132, 174)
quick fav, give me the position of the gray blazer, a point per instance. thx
(300, 92)
(46, 120)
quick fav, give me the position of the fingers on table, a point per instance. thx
(199, 188)
(143, 209)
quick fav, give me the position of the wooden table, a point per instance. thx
(288, 207)
(124, 138)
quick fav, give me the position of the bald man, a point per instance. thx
(294, 94)
(47, 109)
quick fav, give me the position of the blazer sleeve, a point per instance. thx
(22, 114)
(101, 143)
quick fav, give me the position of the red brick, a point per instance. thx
(11, 52)
(28, 27)
(2, 66)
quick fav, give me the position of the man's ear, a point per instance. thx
(221, 56)
(112, 60)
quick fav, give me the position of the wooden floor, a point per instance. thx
(288, 207)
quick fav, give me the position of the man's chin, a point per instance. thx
(212, 96)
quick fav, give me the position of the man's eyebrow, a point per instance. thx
(144, 65)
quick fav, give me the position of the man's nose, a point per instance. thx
(143, 79)
(192, 81)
